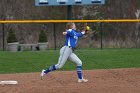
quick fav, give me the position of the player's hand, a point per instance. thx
(87, 29)
(64, 33)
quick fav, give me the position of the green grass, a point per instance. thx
(17, 62)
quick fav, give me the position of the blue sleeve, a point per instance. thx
(79, 34)
(69, 32)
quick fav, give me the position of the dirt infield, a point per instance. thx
(100, 81)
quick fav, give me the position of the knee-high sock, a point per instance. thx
(51, 68)
(79, 72)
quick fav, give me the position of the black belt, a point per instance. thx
(71, 48)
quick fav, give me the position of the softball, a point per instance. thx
(88, 28)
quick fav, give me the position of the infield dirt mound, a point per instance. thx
(100, 81)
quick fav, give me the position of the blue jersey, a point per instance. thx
(72, 37)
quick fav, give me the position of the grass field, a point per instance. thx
(17, 62)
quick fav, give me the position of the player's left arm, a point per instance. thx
(80, 34)
(84, 32)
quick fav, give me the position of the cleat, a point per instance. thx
(82, 80)
(42, 74)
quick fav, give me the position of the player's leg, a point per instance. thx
(78, 62)
(64, 54)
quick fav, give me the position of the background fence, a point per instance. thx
(104, 33)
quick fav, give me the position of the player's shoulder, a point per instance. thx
(69, 30)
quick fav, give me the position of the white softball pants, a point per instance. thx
(67, 53)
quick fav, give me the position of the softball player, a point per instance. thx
(66, 52)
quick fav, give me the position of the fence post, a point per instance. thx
(101, 29)
(54, 35)
(3, 33)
